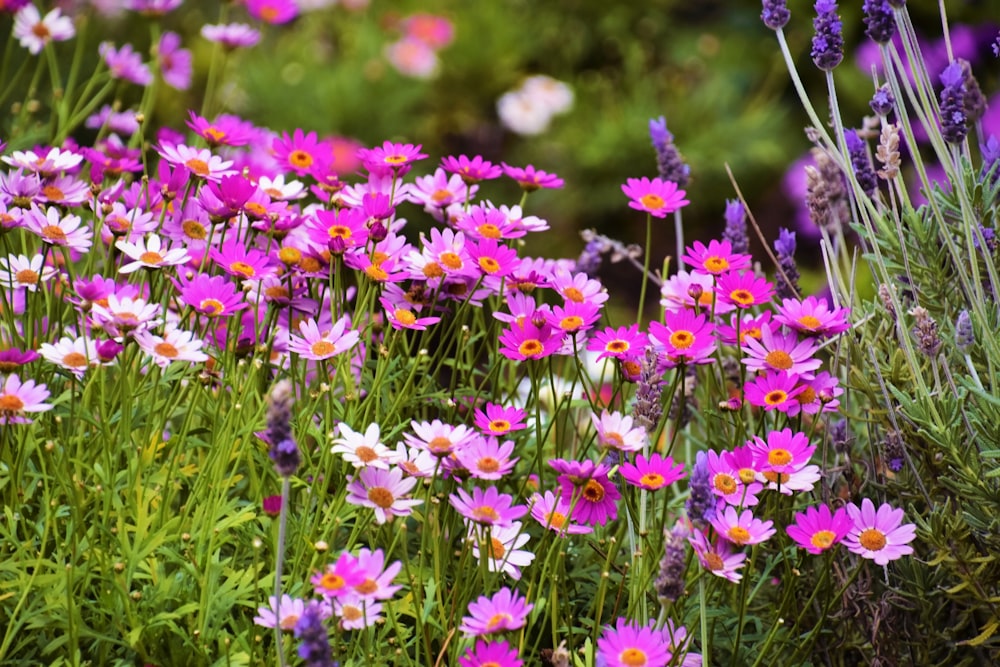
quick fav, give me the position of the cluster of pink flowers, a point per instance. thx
(414, 54)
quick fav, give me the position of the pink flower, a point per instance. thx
(587, 488)
(721, 559)
(490, 654)
(498, 420)
(298, 152)
(615, 431)
(629, 644)
(813, 316)
(488, 223)
(502, 548)
(782, 352)
(54, 228)
(488, 458)
(339, 578)
(436, 32)
(783, 452)
(232, 35)
(237, 260)
(17, 398)
(384, 491)
(657, 197)
(530, 341)
(620, 343)
(377, 584)
(775, 390)
(692, 290)
(274, 12)
(471, 170)
(653, 473)
(390, 157)
(531, 179)
(199, 161)
(438, 438)
(879, 535)
(741, 528)
(212, 296)
(489, 507)
(728, 484)
(716, 258)
(816, 529)
(315, 344)
(743, 289)
(686, 337)
(34, 31)
(552, 512)
(506, 610)
(125, 64)
(412, 57)
(175, 62)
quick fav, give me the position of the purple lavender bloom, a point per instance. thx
(669, 163)
(859, 160)
(964, 336)
(974, 102)
(774, 14)
(828, 41)
(954, 122)
(883, 101)
(284, 452)
(125, 64)
(991, 156)
(996, 46)
(700, 504)
(314, 641)
(736, 227)
(880, 22)
(786, 281)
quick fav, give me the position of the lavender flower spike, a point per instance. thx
(736, 227)
(786, 281)
(314, 642)
(828, 41)
(284, 452)
(954, 122)
(774, 14)
(880, 22)
(669, 162)
(859, 160)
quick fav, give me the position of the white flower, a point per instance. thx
(34, 32)
(364, 450)
(150, 253)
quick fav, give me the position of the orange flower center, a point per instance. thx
(617, 346)
(366, 454)
(451, 260)
(530, 347)
(499, 426)
(404, 316)
(779, 457)
(489, 231)
(323, 348)
(716, 264)
(872, 539)
(498, 548)
(633, 657)
(26, 277)
(651, 201)
(10, 403)
(199, 167)
(54, 233)
(300, 159)
(290, 256)
(211, 307)
(381, 496)
(489, 265)
(779, 360)
(652, 479)
(742, 297)
(738, 535)
(776, 397)
(810, 322)
(167, 350)
(74, 360)
(682, 339)
(725, 483)
(713, 561)
(439, 445)
(488, 464)
(485, 514)
(194, 230)
(149, 257)
(53, 193)
(243, 269)
(573, 294)
(822, 539)
(593, 491)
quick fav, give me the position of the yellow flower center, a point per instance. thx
(489, 231)
(194, 230)
(810, 322)
(290, 256)
(742, 297)
(148, 257)
(822, 539)
(243, 269)
(488, 464)
(530, 347)
(652, 479)
(779, 457)
(738, 535)
(651, 201)
(725, 484)
(499, 426)
(633, 657)
(300, 159)
(489, 265)
(682, 339)
(199, 167)
(485, 514)
(404, 316)
(776, 397)
(716, 264)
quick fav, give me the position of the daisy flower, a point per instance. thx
(506, 610)
(498, 420)
(503, 548)
(384, 491)
(876, 534)
(34, 32)
(586, 486)
(438, 438)
(749, 325)
(274, 12)
(125, 64)
(492, 258)
(12, 358)
(798, 479)
(486, 222)
(487, 458)
(17, 398)
(199, 161)
(489, 507)
(316, 345)
(629, 644)
(298, 152)
(721, 559)
(378, 578)
(685, 290)
(284, 615)
(439, 191)
(813, 317)
(54, 161)
(150, 253)
(123, 315)
(743, 289)
(212, 296)
(741, 528)
(817, 529)
(54, 228)
(416, 462)
(490, 654)
(775, 390)
(616, 431)
(242, 262)
(21, 271)
(578, 287)
(73, 354)
(653, 473)
(656, 197)
(390, 157)
(232, 35)
(363, 450)
(531, 179)
(686, 337)
(818, 395)
(726, 481)
(471, 170)
(175, 62)
(716, 258)
(782, 352)
(339, 579)
(402, 315)
(530, 341)
(552, 512)
(355, 612)
(620, 343)
(783, 452)
(174, 345)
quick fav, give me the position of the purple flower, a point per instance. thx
(125, 64)
(954, 122)
(859, 160)
(669, 163)
(175, 62)
(736, 227)
(232, 35)
(700, 504)
(314, 642)
(786, 280)
(883, 101)
(828, 41)
(880, 22)
(284, 452)
(774, 14)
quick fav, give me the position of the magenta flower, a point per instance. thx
(339, 578)
(298, 152)
(817, 529)
(214, 296)
(493, 259)
(685, 338)
(743, 289)
(12, 358)
(489, 507)
(403, 315)
(18, 398)
(125, 64)
(274, 12)
(721, 559)
(774, 390)
(818, 395)
(245, 263)
(390, 157)
(620, 343)
(729, 484)
(487, 458)
(879, 535)
(574, 317)
(506, 610)
(471, 170)
(54, 228)
(781, 352)
(384, 491)
(231, 36)
(629, 644)
(530, 341)
(578, 287)
(378, 578)
(531, 179)
(783, 452)
(657, 197)
(498, 420)
(691, 290)
(490, 654)
(715, 259)
(586, 487)
(439, 191)
(552, 512)
(122, 315)
(227, 130)
(653, 473)
(750, 326)
(175, 62)
(813, 316)
(741, 528)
